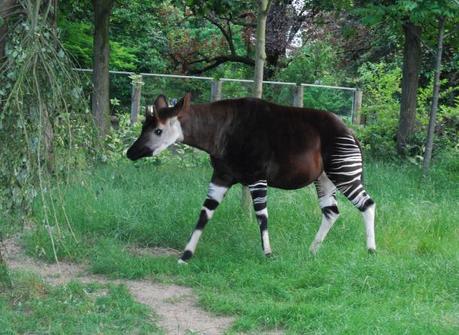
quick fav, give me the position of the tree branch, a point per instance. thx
(216, 61)
(224, 32)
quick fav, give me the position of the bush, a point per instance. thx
(380, 109)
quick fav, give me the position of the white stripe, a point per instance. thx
(346, 137)
(266, 244)
(260, 200)
(356, 189)
(348, 182)
(347, 166)
(216, 192)
(257, 189)
(327, 201)
(257, 184)
(191, 245)
(263, 211)
(209, 212)
(351, 173)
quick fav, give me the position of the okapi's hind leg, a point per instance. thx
(345, 171)
(215, 196)
(326, 192)
(259, 193)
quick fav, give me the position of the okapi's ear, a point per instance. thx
(150, 111)
(161, 102)
(183, 106)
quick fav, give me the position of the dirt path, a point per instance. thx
(175, 305)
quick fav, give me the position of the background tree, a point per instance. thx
(101, 57)
(435, 97)
(411, 17)
(410, 80)
(260, 53)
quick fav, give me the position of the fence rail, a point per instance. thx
(217, 85)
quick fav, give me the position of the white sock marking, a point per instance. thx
(266, 244)
(369, 220)
(191, 245)
(325, 227)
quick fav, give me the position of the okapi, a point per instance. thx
(260, 144)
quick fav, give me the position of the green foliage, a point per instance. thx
(78, 41)
(45, 120)
(33, 307)
(381, 86)
(317, 63)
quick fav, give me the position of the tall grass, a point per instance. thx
(410, 286)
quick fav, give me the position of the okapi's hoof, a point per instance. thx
(314, 248)
(182, 262)
(372, 251)
(269, 254)
(187, 254)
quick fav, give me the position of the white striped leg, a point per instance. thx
(327, 202)
(214, 198)
(369, 220)
(345, 171)
(259, 191)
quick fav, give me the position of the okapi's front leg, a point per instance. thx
(259, 191)
(215, 196)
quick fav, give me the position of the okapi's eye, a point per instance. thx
(158, 132)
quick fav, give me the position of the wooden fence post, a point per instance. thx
(357, 112)
(298, 95)
(135, 96)
(216, 90)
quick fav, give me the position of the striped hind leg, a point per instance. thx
(259, 193)
(326, 192)
(345, 171)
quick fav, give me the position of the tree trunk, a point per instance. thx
(101, 56)
(260, 57)
(411, 65)
(260, 53)
(435, 96)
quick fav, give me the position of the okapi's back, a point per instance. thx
(254, 116)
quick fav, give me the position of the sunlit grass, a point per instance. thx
(410, 287)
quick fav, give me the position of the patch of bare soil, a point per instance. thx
(175, 305)
(153, 251)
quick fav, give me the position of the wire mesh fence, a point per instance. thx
(343, 101)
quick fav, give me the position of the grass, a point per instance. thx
(410, 287)
(32, 307)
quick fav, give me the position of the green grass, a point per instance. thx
(410, 287)
(32, 307)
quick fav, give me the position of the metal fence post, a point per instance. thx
(357, 115)
(298, 95)
(135, 96)
(216, 90)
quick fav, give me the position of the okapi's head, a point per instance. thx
(160, 129)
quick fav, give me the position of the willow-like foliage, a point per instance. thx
(45, 124)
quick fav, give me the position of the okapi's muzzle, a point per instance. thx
(138, 150)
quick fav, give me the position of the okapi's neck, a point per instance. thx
(201, 129)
